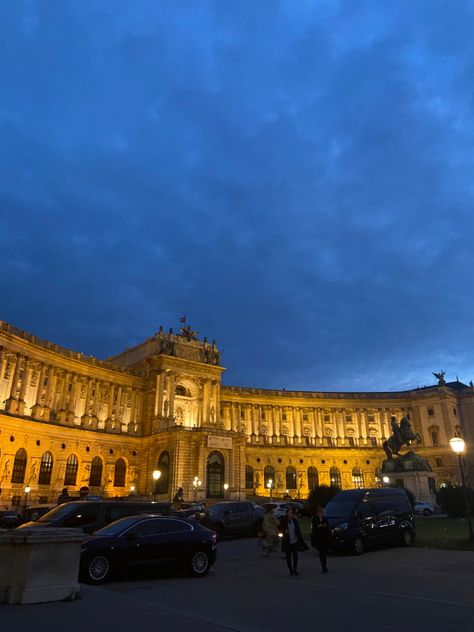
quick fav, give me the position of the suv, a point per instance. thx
(90, 515)
(360, 518)
(235, 518)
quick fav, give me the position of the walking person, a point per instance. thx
(321, 536)
(292, 540)
(270, 531)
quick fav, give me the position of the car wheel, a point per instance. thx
(97, 569)
(199, 563)
(427, 512)
(407, 537)
(219, 529)
(358, 546)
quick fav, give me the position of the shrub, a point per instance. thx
(451, 500)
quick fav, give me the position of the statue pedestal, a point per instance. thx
(421, 483)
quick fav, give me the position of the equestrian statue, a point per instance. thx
(402, 435)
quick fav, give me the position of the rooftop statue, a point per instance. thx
(402, 435)
(440, 377)
(186, 331)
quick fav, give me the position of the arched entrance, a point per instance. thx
(215, 475)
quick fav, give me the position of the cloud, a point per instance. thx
(294, 176)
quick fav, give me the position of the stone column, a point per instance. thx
(111, 401)
(11, 403)
(158, 408)
(205, 403)
(37, 410)
(172, 384)
(23, 386)
(2, 360)
(71, 402)
(62, 399)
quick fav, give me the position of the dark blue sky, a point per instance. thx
(296, 177)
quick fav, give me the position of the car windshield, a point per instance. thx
(340, 508)
(58, 512)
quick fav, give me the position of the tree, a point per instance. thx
(451, 500)
(320, 496)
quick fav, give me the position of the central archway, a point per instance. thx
(215, 475)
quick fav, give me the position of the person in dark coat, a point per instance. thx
(321, 536)
(292, 540)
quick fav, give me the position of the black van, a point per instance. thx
(361, 518)
(90, 515)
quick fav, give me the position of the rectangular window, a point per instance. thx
(242, 414)
(305, 417)
(370, 418)
(283, 417)
(351, 442)
(373, 442)
(430, 412)
(327, 418)
(439, 462)
(455, 412)
(348, 417)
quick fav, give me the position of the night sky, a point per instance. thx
(296, 177)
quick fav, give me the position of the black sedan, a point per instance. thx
(139, 541)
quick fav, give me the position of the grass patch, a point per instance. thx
(443, 533)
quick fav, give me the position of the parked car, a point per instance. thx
(361, 518)
(427, 509)
(8, 519)
(235, 518)
(189, 510)
(139, 541)
(33, 513)
(93, 515)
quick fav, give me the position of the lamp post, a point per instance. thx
(196, 485)
(156, 477)
(386, 480)
(27, 491)
(458, 446)
(270, 487)
(226, 487)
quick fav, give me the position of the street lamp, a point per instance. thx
(458, 446)
(386, 480)
(132, 489)
(226, 487)
(196, 485)
(270, 487)
(27, 491)
(156, 477)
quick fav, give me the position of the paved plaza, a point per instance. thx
(412, 589)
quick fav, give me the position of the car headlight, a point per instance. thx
(341, 527)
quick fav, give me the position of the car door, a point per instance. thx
(139, 545)
(386, 520)
(174, 540)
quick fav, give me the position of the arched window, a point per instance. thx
(335, 477)
(19, 466)
(248, 477)
(181, 390)
(215, 475)
(120, 473)
(357, 477)
(268, 475)
(95, 479)
(163, 465)
(290, 477)
(313, 478)
(457, 431)
(46, 469)
(72, 465)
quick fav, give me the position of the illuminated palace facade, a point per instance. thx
(68, 420)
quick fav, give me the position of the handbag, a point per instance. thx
(302, 546)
